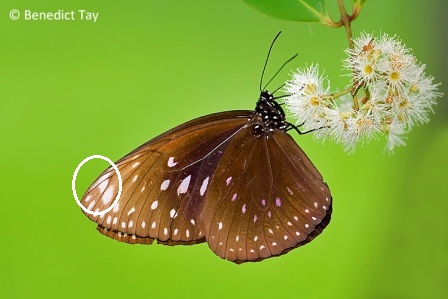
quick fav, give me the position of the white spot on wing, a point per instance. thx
(220, 225)
(135, 178)
(243, 209)
(175, 231)
(229, 179)
(116, 208)
(135, 164)
(143, 224)
(153, 225)
(187, 232)
(131, 211)
(165, 185)
(278, 202)
(115, 220)
(172, 213)
(183, 187)
(192, 221)
(165, 231)
(91, 205)
(154, 205)
(204, 186)
(171, 162)
(131, 224)
(109, 219)
(103, 185)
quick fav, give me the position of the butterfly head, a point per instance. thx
(271, 114)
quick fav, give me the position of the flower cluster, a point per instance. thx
(390, 94)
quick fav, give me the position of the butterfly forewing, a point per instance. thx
(165, 183)
(265, 198)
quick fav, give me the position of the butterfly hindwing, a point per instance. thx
(165, 183)
(265, 199)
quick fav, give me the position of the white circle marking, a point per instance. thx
(120, 185)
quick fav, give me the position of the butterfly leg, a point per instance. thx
(290, 126)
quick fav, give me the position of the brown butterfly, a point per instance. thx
(236, 180)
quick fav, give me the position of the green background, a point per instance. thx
(71, 89)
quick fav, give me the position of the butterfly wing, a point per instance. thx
(265, 199)
(165, 182)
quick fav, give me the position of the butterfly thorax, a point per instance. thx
(271, 114)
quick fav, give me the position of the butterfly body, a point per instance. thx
(271, 114)
(236, 180)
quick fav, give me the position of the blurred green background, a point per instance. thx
(71, 89)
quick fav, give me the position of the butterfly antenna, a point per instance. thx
(279, 70)
(267, 59)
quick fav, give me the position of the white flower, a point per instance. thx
(306, 100)
(334, 127)
(383, 61)
(360, 128)
(395, 131)
(425, 89)
(392, 95)
(363, 60)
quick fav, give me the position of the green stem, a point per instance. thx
(345, 20)
(338, 94)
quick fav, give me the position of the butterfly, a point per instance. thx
(236, 180)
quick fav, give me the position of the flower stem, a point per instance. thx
(338, 94)
(346, 20)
